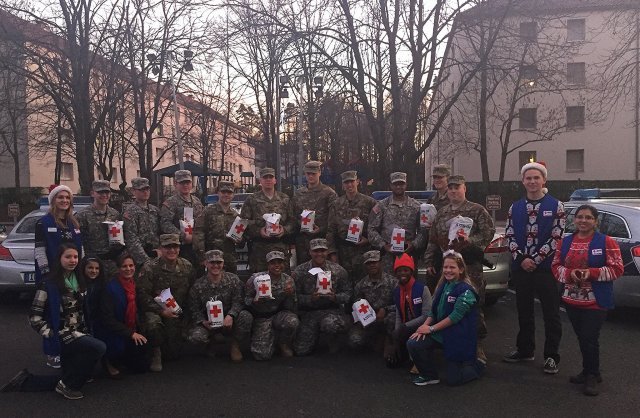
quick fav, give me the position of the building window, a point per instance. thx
(160, 154)
(575, 30)
(575, 160)
(66, 171)
(575, 116)
(114, 175)
(528, 118)
(529, 74)
(240, 168)
(529, 31)
(160, 130)
(576, 73)
(526, 157)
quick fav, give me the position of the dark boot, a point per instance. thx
(591, 385)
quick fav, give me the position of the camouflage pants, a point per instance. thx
(165, 333)
(351, 259)
(263, 333)
(259, 251)
(240, 331)
(312, 323)
(361, 337)
(475, 274)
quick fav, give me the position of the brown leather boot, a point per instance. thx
(285, 351)
(234, 352)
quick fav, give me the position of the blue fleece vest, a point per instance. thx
(597, 258)
(520, 220)
(416, 298)
(53, 240)
(115, 342)
(51, 346)
(460, 340)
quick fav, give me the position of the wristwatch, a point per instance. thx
(432, 329)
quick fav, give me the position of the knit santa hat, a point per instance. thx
(56, 190)
(405, 260)
(536, 165)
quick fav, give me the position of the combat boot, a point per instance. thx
(156, 360)
(234, 352)
(285, 351)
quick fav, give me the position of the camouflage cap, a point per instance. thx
(318, 244)
(349, 176)
(182, 175)
(369, 256)
(441, 170)
(214, 255)
(312, 167)
(275, 255)
(457, 179)
(101, 186)
(169, 239)
(139, 183)
(398, 176)
(226, 186)
(267, 171)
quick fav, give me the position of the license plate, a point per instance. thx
(29, 277)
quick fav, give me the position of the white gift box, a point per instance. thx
(354, 230)
(427, 215)
(460, 226)
(166, 300)
(364, 312)
(115, 231)
(262, 284)
(273, 222)
(215, 312)
(397, 240)
(323, 282)
(186, 227)
(307, 220)
(237, 228)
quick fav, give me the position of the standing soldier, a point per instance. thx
(471, 247)
(95, 233)
(352, 205)
(440, 177)
(225, 287)
(272, 314)
(211, 227)
(266, 200)
(317, 197)
(396, 211)
(141, 223)
(320, 312)
(163, 326)
(182, 206)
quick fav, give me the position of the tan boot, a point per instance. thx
(234, 352)
(156, 360)
(414, 370)
(480, 355)
(285, 351)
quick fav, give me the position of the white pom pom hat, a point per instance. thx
(56, 190)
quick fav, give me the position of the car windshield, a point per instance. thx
(28, 224)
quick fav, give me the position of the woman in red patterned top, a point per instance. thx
(587, 264)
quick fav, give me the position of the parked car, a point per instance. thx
(3, 233)
(613, 193)
(620, 219)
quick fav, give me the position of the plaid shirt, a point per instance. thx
(72, 325)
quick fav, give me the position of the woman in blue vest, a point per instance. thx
(56, 227)
(119, 322)
(451, 325)
(587, 265)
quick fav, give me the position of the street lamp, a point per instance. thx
(186, 66)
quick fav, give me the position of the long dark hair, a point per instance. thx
(58, 273)
(101, 274)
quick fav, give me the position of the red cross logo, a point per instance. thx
(324, 283)
(363, 309)
(215, 311)
(306, 220)
(114, 231)
(239, 228)
(398, 238)
(171, 303)
(188, 229)
(354, 229)
(274, 227)
(263, 288)
(424, 218)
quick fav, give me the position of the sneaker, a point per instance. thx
(414, 370)
(550, 366)
(53, 361)
(591, 385)
(421, 381)
(67, 392)
(581, 378)
(16, 382)
(516, 357)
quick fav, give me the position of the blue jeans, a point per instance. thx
(421, 353)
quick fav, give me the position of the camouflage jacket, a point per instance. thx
(156, 275)
(306, 285)
(228, 291)
(341, 213)
(320, 199)
(141, 230)
(95, 234)
(379, 293)
(172, 211)
(439, 201)
(281, 299)
(387, 214)
(258, 204)
(211, 228)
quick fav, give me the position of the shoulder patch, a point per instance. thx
(376, 209)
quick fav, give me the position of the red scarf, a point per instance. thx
(129, 287)
(405, 297)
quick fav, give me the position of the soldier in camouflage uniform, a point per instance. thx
(319, 312)
(396, 211)
(218, 284)
(471, 247)
(440, 177)
(95, 234)
(211, 227)
(377, 288)
(315, 196)
(173, 210)
(141, 223)
(352, 205)
(276, 314)
(266, 200)
(163, 327)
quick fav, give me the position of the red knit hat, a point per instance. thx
(405, 260)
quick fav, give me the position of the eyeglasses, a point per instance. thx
(104, 192)
(585, 217)
(216, 262)
(435, 177)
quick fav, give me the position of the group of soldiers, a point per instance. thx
(298, 308)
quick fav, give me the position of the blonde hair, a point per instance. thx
(67, 214)
(464, 276)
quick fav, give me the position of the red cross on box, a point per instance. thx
(274, 227)
(306, 220)
(354, 229)
(263, 288)
(114, 231)
(324, 283)
(215, 311)
(239, 228)
(398, 238)
(188, 229)
(171, 303)
(363, 309)
(424, 218)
